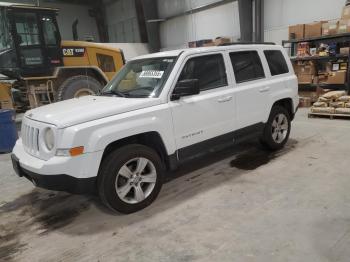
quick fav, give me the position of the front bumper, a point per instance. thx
(72, 174)
(60, 182)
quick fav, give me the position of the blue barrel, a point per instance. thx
(8, 131)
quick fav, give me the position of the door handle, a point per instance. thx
(264, 89)
(225, 99)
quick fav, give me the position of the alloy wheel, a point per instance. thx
(136, 180)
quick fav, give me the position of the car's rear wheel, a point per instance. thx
(277, 129)
(130, 178)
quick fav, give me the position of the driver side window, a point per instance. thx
(209, 70)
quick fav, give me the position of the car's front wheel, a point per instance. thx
(130, 178)
(277, 129)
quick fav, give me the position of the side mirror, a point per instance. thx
(186, 87)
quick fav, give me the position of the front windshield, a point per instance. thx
(141, 78)
(5, 37)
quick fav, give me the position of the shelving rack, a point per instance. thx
(342, 40)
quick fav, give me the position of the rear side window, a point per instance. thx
(209, 70)
(277, 62)
(247, 66)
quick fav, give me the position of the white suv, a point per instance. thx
(159, 111)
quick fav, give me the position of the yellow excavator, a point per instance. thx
(39, 67)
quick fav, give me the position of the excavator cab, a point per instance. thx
(30, 41)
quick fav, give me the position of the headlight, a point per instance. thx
(49, 139)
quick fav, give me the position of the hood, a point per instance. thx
(80, 110)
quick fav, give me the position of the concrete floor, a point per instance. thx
(238, 205)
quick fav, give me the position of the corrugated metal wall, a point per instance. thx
(218, 21)
(122, 21)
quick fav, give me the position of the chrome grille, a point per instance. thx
(30, 139)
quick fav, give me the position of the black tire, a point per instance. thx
(267, 138)
(111, 166)
(70, 87)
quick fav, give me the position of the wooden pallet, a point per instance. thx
(330, 116)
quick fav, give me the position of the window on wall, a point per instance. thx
(247, 66)
(277, 62)
(209, 70)
(106, 63)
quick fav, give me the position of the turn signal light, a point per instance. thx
(76, 151)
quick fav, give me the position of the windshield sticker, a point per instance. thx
(151, 74)
(168, 60)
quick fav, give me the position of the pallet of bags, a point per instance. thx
(323, 110)
(343, 111)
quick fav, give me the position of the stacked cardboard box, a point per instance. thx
(296, 31)
(314, 29)
(334, 102)
(305, 72)
(330, 28)
(346, 12)
(210, 42)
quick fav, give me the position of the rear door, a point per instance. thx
(251, 87)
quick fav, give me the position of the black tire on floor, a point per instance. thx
(267, 139)
(113, 162)
(71, 86)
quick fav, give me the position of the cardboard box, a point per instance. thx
(344, 26)
(296, 31)
(344, 51)
(346, 12)
(201, 43)
(336, 78)
(222, 40)
(305, 78)
(303, 49)
(306, 68)
(6, 104)
(5, 96)
(330, 28)
(208, 44)
(314, 29)
(304, 101)
(192, 44)
(313, 96)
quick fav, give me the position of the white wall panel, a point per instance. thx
(282, 13)
(279, 14)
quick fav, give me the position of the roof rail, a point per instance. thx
(248, 43)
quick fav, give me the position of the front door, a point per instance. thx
(202, 121)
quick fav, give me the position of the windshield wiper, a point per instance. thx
(113, 92)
